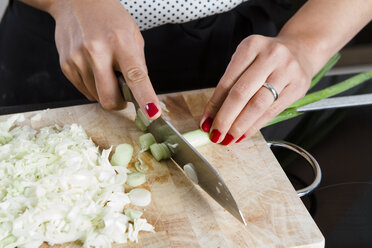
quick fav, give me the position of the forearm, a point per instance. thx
(322, 27)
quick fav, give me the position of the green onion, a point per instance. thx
(197, 138)
(160, 151)
(139, 124)
(285, 115)
(141, 121)
(347, 84)
(132, 214)
(146, 140)
(333, 90)
(135, 179)
(143, 118)
(122, 156)
(325, 69)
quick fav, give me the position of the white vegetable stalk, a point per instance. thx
(56, 186)
(197, 138)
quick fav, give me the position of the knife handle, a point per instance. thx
(126, 92)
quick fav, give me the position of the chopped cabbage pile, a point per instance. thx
(56, 186)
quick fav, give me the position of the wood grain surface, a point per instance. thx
(184, 215)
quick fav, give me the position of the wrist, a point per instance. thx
(311, 54)
(55, 7)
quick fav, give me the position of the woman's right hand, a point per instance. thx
(96, 38)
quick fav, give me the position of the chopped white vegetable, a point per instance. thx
(133, 214)
(122, 156)
(36, 117)
(5, 127)
(191, 173)
(139, 225)
(56, 186)
(140, 197)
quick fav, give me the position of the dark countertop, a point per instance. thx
(341, 205)
(341, 141)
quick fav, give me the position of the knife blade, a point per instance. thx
(183, 153)
(338, 102)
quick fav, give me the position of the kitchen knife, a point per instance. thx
(338, 102)
(183, 153)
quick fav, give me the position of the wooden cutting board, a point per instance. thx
(184, 215)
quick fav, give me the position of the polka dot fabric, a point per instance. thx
(152, 13)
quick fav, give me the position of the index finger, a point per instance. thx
(135, 73)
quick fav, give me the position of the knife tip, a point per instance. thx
(242, 219)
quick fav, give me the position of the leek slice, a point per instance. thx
(122, 156)
(140, 125)
(140, 165)
(135, 179)
(133, 214)
(160, 151)
(141, 121)
(140, 197)
(191, 172)
(146, 140)
(197, 138)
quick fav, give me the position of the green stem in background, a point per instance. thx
(292, 112)
(331, 62)
(333, 90)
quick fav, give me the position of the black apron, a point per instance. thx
(179, 56)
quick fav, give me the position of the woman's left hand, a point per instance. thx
(240, 105)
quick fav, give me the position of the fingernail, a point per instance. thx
(240, 139)
(215, 135)
(206, 126)
(228, 138)
(151, 109)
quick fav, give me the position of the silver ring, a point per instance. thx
(271, 88)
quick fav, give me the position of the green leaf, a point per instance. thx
(331, 62)
(285, 115)
(333, 90)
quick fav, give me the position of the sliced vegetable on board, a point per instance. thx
(135, 179)
(140, 197)
(57, 187)
(122, 156)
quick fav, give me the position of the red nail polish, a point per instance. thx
(228, 138)
(206, 126)
(151, 109)
(240, 139)
(215, 135)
